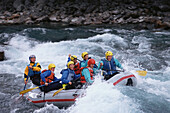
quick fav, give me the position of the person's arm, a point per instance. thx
(37, 68)
(118, 64)
(84, 64)
(45, 74)
(87, 76)
(64, 77)
(99, 65)
(56, 79)
(69, 59)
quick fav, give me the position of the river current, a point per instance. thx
(135, 50)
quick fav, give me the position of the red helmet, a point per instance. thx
(91, 61)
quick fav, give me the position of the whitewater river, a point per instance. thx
(149, 50)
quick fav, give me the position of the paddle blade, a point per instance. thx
(58, 91)
(142, 73)
(25, 91)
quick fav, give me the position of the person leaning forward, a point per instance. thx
(69, 79)
(48, 76)
(33, 70)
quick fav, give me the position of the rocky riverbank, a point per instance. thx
(148, 14)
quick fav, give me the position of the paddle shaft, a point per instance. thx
(26, 83)
(27, 90)
(65, 86)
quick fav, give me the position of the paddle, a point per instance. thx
(26, 83)
(59, 90)
(65, 87)
(141, 73)
(27, 90)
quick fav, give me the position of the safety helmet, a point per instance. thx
(83, 54)
(91, 61)
(73, 57)
(51, 66)
(68, 64)
(108, 53)
(32, 56)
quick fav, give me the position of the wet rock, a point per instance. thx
(44, 18)
(14, 16)
(18, 4)
(20, 8)
(105, 15)
(53, 18)
(2, 56)
(77, 20)
(115, 12)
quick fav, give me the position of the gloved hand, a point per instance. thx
(89, 58)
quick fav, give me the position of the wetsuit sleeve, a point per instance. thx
(86, 74)
(100, 67)
(84, 64)
(26, 73)
(77, 76)
(56, 79)
(45, 74)
(69, 59)
(37, 68)
(64, 77)
(118, 64)
(94, 70)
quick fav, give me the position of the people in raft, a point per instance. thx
(109, 64)
(32, 70)
(76, 63)
(48, 76)
(69, 79)
(87, 73)
(85, 57)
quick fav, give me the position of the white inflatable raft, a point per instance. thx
(124, 78)
(65, 98)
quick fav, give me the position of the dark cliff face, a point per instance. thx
(85, 12)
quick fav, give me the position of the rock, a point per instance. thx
(66, 20)
(167, 24)
(7, 14)
(105, 15)
(44, 18)
(14, 16)
(132, 7)
(20, 8)
(115, 12)
(29, 22)
(2, 56)
(77, 20)
(53, 18)
(17, 3)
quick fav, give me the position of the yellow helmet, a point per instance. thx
(51, 66)
(73, 57)
(108, 53)
(83, 54)
(68, 64)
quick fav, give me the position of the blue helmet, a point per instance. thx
(32, 56)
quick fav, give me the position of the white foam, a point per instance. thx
(49, 109)
(104, 98)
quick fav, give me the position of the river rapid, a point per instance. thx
(135, 50)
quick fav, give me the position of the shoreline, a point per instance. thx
(149, 14)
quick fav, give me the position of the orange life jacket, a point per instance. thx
(77, 68)
(49, 78)
(83, 80)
